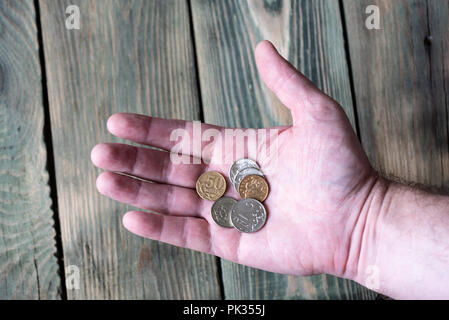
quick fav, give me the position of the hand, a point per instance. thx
(318, 188)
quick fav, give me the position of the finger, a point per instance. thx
(187, 232)
(160, 133)
(147, 163)
(162, 198)
(291, 86)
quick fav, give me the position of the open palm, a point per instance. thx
(318, 185)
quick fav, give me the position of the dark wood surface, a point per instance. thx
(401, 87)
(192, 60)
(28, 266)
(133, 56)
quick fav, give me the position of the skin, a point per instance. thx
(326, 207)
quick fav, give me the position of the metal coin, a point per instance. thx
(248, 215)
(243, 173)
(253, 186)
(221, 211)
(240, 165)
(211, 185)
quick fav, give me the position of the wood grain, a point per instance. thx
(310, 35)
(401, 87)
(28, 266)
(128, 56)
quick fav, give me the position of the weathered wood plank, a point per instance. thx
(128, 56)
(28, 266)
(401, 87)
(310, 35)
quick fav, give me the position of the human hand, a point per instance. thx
(318, 187)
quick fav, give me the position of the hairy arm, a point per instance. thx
(400, 244)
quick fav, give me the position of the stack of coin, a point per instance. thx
(246, 215)
(248, 180)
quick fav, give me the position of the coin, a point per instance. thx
(248, 215)
(221, 211)
(253, 186)
(240, 165)
(211, 185)
(243, 173)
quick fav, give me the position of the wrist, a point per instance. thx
(399, 243)
(361, 265)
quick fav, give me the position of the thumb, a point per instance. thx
(294, 90)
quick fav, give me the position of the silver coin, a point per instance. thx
(243, 173)
(221, 211)
(239, 165)
(248, 215)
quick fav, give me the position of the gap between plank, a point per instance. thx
(350, 74)
(351, 81)
(50, 166)
(195, 62)
(192, 33)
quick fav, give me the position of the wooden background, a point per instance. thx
(192, 60)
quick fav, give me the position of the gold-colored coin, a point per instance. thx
(211, 185)
(254, 187)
